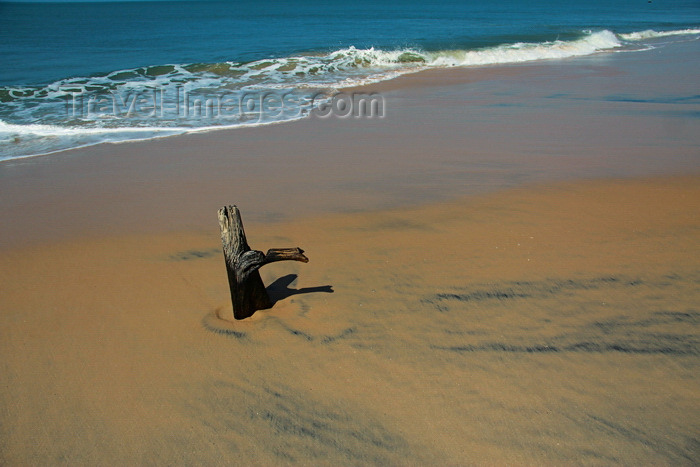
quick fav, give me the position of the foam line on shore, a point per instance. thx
(165, 100)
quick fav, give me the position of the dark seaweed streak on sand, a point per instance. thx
(579, 317)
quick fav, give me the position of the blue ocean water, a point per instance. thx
(76, 74)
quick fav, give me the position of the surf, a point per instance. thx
(146, 102)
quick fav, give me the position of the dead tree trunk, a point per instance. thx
(248, 292)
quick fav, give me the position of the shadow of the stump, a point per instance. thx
(279, 289)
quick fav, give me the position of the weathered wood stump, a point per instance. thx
(248, 292)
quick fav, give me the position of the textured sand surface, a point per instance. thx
(555, 324)
(470, 298)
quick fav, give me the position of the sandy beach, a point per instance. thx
(494, 278)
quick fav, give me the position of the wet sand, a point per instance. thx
(483, 288)
(445, 134)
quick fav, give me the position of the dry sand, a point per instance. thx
(549, 325)
(490, 282)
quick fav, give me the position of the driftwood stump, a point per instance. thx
(248, 292)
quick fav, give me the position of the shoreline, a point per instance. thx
(551, 53)
(427, 77)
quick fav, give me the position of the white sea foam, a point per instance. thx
(651, 34)
(524, 52)
(57, 130)
(35, 139)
